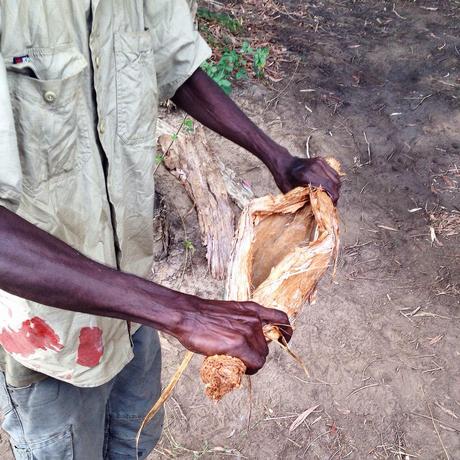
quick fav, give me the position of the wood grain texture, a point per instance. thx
(193, 163)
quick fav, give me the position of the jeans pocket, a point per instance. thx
(57, 446)
(122, 436)
(6, 405)
(34, 395)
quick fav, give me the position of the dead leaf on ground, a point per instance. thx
(436, 339)
(302, 417)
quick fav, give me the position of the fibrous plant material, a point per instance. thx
(283, 246)
(222, 373)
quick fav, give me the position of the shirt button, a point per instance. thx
(101, 127)
(97, 62)
(49, 96)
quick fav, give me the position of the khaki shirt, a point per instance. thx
(80, 84)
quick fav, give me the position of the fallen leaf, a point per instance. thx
(448, 181)
(434, 238)
(385, 227)
(333, 428)
(436, 339)
(301, 418)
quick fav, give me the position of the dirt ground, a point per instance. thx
(377, 85)
(382, 340)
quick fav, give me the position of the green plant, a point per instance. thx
(188, 124)
(188, 246)
(159, 158)
(225, 20)
(233, 64)
(260, 60)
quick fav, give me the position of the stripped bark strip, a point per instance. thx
(283, 246)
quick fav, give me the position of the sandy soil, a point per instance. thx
(376, 85)
(382, 339)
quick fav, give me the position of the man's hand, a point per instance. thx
(293, 172)
(231, 328)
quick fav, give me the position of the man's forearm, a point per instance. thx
(201, 98)
(39, 267)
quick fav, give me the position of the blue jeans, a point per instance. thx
(53, 420)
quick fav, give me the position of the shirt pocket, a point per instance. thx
(136, 87)
(50, 116)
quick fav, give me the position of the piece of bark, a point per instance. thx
(283, 246)
(238, 190)
(161, 229)
(190, 160)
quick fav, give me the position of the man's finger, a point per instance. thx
(252, 359)
(272, 316)
(279, 319)
(331, 188)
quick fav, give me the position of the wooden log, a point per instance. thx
(240, 193)
(193, 163)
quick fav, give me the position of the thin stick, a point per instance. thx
(422, 101)
(397, 14)
(286, 87)
(439, 421)
(362, 388)
(250, 401)
(369, 161)
(173, 138)
(317, 437)
(437, 431)
(308, 146)
(284, 345)
(319, 382)
(163, 397)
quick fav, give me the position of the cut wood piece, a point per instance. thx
(190, 159)
(239, 191)
(283, 246)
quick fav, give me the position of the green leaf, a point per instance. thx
(229, 22)
(188, 124)
(260, 60)
(241, 74)
(189, 246)
(226, 86)
(245, 48)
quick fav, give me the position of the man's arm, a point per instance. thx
(37, 266)
(201, 98)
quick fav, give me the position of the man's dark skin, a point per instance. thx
(37, 266)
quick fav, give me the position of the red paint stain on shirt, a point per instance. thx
(91, 347)
(34, 334)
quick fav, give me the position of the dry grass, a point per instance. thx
(445, 223)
